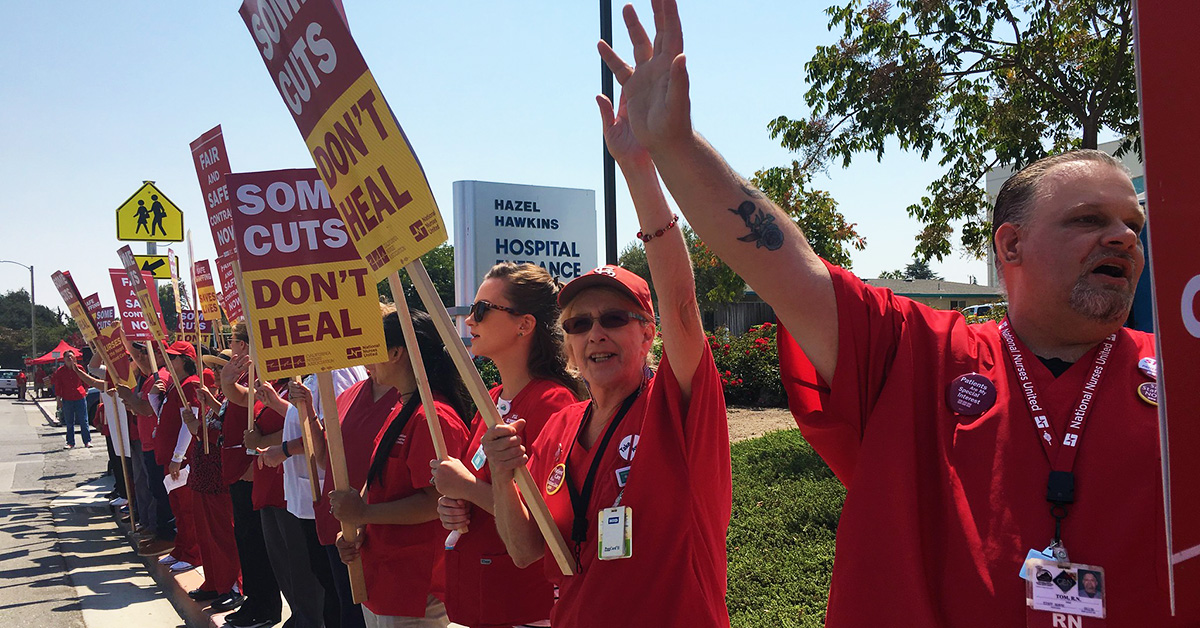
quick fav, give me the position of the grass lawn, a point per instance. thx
(786, 504)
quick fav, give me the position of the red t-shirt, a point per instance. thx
(361, 420)
(234, 459)
(147, 423)
(268, 481)
(405, 564)
(483, 586)
(170, 421)
(679, 489)
(941, 509)
(67, 385)
(39, 376)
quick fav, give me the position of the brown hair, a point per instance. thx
(1019, 192)
(532, 290)
(240, 333)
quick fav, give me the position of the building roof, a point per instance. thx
(932, 288)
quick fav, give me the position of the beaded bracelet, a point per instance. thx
(646, 238)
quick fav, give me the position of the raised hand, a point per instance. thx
(656, 90)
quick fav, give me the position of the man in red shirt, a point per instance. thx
(968, 470)
(71, 396)
(21, 384)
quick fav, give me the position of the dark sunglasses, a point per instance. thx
(479, 310)
(608, 320)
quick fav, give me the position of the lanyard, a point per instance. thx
(581, 499)
(1060, 487)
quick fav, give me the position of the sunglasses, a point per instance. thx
(609, 320)
(479, 310)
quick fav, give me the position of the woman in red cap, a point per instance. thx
(171, 442)
(513, 322)
(638, 478)
(402, 540)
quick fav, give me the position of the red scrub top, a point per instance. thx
(234, 459)
(941, 508)
(268, 481)
(361, 419)
(483, 586)
(170, 421)
(679, 489)
(147, 423)
(405, 564)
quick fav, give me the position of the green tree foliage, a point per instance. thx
(52, 327)
(439, 263)
(918, 269)
(716, 283)
(985, 84)
(166, 301)
(815, 211)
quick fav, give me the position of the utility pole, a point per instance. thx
(610, 167)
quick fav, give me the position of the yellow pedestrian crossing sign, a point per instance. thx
(149, 216)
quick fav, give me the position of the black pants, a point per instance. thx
(164, 521)
(114, 466)
(258, 581)
(352, 616)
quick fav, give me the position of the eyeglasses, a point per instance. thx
(609, 320)
(479, 310)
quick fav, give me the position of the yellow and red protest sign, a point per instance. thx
(147, 304)
(70, 295)
(363, 156)
(109, 342)
(206, 292)
(308, 294)
(187, 328)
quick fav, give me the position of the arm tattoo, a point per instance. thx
(763, 230)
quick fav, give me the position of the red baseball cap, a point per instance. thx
(610, 276)
(182, 347)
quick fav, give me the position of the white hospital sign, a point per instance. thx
(554, 228)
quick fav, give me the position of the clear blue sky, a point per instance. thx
(100, 96)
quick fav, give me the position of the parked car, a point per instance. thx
(8, 381)
(983, 309)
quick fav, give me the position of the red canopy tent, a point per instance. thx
(55, 354)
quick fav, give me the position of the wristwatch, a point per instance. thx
(286, 453)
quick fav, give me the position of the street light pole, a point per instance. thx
(32, 309)
(610, 168)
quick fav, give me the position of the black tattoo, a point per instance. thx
(763, 230)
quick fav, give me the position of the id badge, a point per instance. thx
(479, 459)
(1071, 595)
(616, 533)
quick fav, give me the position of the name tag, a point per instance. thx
(616, 533)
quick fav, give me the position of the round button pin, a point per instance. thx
(971, 394)
(555, 481)
(503, 406)
(1148, 392)
(1148, 367)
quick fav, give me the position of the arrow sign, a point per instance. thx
(156, 265)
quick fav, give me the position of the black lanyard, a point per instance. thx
(581, 499)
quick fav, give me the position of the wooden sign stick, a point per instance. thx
(306, 436)
(341, 476)
(237, 278)
(98, 349)
(418, 364)
(124, 451)
(199, 336)
(487, 409)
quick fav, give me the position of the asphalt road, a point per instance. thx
(63, 561)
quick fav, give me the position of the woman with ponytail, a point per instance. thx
(513, 322)
(400, 538)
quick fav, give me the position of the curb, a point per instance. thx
(175, 586)
(50, 420)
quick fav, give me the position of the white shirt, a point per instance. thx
(296, 489)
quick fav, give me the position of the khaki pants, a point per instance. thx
(435, 617)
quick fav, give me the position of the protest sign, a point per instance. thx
(212, 164)
(364, 158)
(206, 292)
(133, 322)
(1167, 49)
(149, 307)
(309, 295)
(110, 345)
(70, 295)
(91, 303)
(105, 318)
(230, 293)
(187, 328)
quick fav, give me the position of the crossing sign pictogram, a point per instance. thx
(149, 216)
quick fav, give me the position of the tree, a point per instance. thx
(918, 269)
(52, 326)
(439, 263)
(986, 84)
(166, 301)
(716, 283)
(815, 211)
